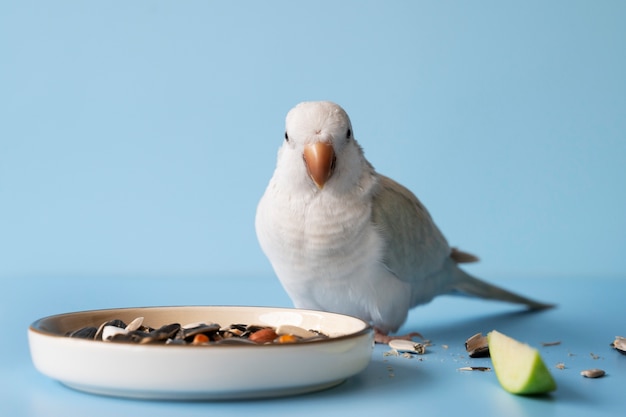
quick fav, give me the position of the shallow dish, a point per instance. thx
(201, 372)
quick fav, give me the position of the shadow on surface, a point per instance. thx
(464, 327)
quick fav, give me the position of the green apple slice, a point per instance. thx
(519, 367)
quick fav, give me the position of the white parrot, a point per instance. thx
(343, 238)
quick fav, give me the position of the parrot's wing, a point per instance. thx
(416, 251)
(414, 247)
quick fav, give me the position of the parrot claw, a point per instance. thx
(384, 338)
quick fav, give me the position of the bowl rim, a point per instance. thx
(35, 327)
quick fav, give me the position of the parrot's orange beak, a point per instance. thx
(319, 158)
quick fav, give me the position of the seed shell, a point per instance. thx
(593, 373)
(620, 344)
(477, 346)
(475, 368)
(402, 345)
(295, 331)
(109, 332)
(135, 324)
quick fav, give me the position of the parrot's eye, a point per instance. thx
(348, 134)
(286, 137)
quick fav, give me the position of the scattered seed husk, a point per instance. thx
(477, 346)
(619, 344)
(560, 365)
(402, 345)
(475, 368)
(555, 343)
(593, 373)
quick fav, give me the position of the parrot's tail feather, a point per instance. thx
(472, 286)
(460, 257)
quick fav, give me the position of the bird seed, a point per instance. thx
(203, 334)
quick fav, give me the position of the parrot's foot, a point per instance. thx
(384, 338)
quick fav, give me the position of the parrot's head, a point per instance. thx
(319, 143)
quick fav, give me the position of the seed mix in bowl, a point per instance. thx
(205, 333)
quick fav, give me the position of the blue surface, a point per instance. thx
(137, 137)
(589, 316)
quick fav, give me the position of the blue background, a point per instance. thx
(136, 138)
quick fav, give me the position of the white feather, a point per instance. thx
(362, 245)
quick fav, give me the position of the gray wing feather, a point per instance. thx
(418, 253)
(415, 247)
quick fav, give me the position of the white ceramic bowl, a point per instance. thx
(201, 372)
